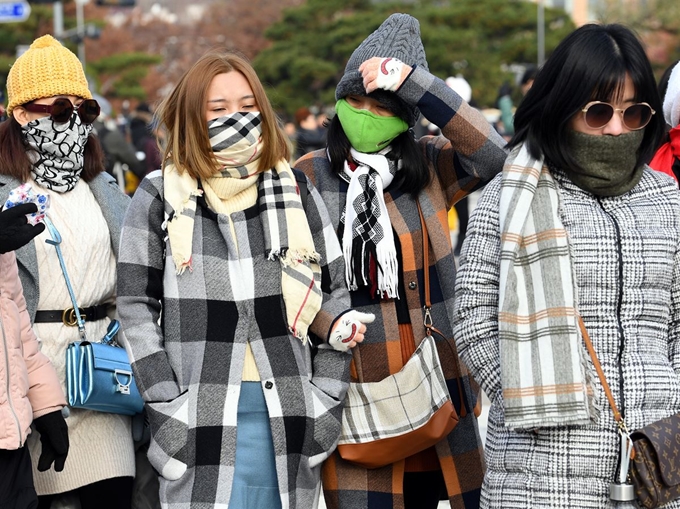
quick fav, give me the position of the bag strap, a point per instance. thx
(600, 373)
(426, 269)
(427, 320)
(56, 240)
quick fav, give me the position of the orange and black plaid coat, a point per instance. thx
(467, 154)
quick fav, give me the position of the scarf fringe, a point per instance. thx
(292, 258)
(358, 263)
(297, 334)
(388, 270)
(182, 265)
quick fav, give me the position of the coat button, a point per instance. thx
(413, 285)
(268, 385)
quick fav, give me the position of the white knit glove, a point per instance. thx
(389, 74)
(349, 330)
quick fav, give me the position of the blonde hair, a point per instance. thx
(182, 113)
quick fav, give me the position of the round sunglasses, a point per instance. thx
(61, 110)
(598, 114)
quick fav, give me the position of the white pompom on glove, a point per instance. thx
(349, 330)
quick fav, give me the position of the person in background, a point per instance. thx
(117, 150)
(577, 227)
(309, 135)
(223, 278)
(667, 157)
(48, 143)
(143, 134)
(505, 104)
(372, 181)
(527, 80)
(31, 391)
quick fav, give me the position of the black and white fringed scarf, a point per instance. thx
(368, 232)
(237, 142)
(57, 151)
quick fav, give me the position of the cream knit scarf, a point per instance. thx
(236, 140)
(545, 373)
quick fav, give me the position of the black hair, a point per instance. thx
(414, 174)
(529, 74)
(590, 64)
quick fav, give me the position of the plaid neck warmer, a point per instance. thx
(367, 239)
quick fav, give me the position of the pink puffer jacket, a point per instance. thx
(29, 386)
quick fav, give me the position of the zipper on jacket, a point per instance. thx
(619, 304)
(9, 394)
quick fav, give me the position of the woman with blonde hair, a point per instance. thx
(228, 295)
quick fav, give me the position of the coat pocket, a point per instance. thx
(326, 426)
(169, 425)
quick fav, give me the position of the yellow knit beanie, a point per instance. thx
(46, 69)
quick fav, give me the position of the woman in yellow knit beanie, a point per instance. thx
(47, 142)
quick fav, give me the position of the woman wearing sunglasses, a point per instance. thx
(47, 142)
(576, 227)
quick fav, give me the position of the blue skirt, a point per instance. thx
(255, 484)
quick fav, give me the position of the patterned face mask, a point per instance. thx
(57, 151)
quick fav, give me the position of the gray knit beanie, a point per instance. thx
(398, 37)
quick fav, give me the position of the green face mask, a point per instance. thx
(366, 131)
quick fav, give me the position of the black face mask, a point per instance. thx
(607, 163)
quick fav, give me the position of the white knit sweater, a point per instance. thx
(101, 444)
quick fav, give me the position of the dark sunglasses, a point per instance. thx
(61, 110)
(598, 114)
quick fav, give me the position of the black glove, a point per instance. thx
(14, 228)
(54, 439)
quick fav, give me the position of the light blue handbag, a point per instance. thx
(98, 375)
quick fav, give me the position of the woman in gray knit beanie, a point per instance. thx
(372, 177)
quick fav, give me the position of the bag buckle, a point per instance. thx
(68, 316)
(123, 388)
(427, 321)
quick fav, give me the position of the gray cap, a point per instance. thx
(398, 37)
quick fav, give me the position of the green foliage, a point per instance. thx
(312, 43)
(120, 75)
(656, 21)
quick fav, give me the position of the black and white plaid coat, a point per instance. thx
(189, 363)
(626, 261)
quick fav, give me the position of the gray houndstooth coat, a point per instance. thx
(626, 262)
